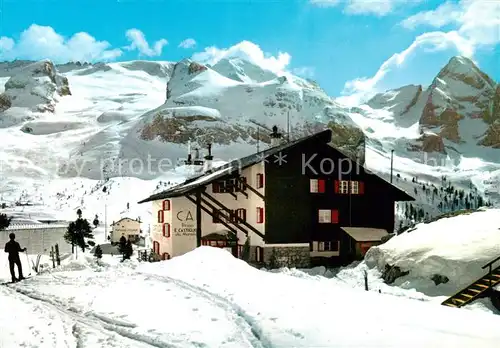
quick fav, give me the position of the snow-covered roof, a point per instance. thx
(365, 234)
(233, 166)
(33, 226)
(226, 170)
(125, 218)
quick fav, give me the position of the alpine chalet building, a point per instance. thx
(298, 203)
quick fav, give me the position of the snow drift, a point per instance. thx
(455, 247)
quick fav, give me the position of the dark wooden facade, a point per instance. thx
(292, 210)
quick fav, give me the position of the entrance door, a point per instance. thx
(156, 247)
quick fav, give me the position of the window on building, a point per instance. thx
(260, 215)
(166, 230)
(260, 180)
(354, 187)
(222, 215)
(259, 254)
(241, 215)
(213, 243)
(228, 186)
(240, 184)
(161, 216)
(328, 216)
(328, 246)
(166, 205)
(344, 186)
(317, 185)
(221, 243)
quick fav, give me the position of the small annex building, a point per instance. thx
(298, 203)
(127, 227)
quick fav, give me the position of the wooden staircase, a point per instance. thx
(480, 288)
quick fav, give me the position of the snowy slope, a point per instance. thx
(189, 301)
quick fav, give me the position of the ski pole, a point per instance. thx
(27, 259)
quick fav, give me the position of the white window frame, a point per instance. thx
(344, 186)
(314, 186)
(325, 216)
(355, 187)
(326, 246)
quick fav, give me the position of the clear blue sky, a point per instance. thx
(338, 43)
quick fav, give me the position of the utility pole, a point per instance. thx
(392, 160)
(258, 137)
(105, 222)
(288, 126)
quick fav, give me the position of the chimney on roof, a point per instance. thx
(275, 137)
(189, 160)
(208, 158)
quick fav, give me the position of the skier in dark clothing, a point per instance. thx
(13, 248)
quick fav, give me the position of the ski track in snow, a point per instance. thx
(91, 322)
(248, 325)
(251, 333)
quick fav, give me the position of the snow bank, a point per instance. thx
(289, 311)
(455, 247)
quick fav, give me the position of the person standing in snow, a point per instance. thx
(13, 248)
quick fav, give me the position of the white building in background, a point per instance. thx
(38, 238)
(127, 227)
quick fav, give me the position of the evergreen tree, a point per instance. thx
(128, 250)
(245, 253)
(122, 246)
(77, 233)
(98, 252)
(273, 259)
(4, 221)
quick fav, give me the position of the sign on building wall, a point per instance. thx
(184, 224)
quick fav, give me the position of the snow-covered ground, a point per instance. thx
(454, 247)
(207, 298)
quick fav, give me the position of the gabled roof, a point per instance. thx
(125, 218)
(232, 167)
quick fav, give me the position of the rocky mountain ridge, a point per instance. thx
(461, 106)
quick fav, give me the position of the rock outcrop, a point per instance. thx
(36, 86)
(428, 142)
(460, 91)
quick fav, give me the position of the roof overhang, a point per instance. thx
(365, 234)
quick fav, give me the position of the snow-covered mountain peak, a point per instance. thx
(242, 70)
(466, 71)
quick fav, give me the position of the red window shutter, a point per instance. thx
(166, 204)
(160, 216)
(166, 230)
(335, 216)
(337, 183)
(321, 185)
(260, 215)
(361, 187)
